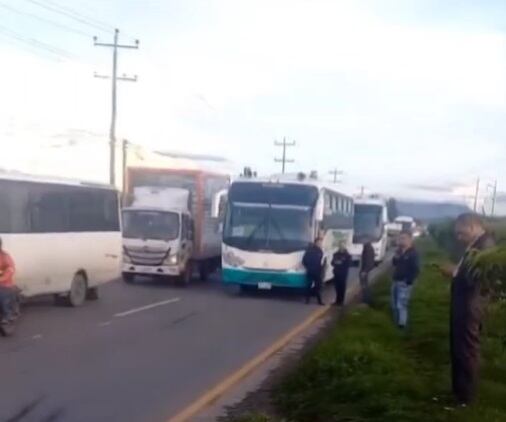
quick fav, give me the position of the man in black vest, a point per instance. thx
(467, 308)
(312, 262)
(341, 263)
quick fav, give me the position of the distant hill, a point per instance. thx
(428, 211)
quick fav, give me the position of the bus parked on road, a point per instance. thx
(269, 223)
(370, 223)
(63, 235)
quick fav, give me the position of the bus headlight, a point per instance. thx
(231, 259)
(299, 267)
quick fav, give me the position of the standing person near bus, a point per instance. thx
(406, 269)
(312, 262)
(467, 308)
(367, 264)
(7, 287)
(341, 263)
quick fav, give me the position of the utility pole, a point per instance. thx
(362, 190)
(494, 197)
(284, 160)
(114, 78)
(476, 194)
(124, 165)
(335, 173)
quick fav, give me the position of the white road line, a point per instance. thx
(104, 324)
(145, 308)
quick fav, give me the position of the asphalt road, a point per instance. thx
(140, 353)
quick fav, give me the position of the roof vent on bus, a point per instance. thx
(301, 176)
(313, 175)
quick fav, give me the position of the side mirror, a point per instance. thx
(218, 201)
(319, 210)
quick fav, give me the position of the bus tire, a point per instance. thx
(92, 293)
(128, 277)
(77, 294)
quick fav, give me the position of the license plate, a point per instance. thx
(263, 285)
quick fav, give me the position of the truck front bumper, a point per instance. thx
(170, 270)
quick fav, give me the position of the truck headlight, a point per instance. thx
(126, 258)
(172, 260)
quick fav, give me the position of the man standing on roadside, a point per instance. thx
(467, 308)
(406, 269)
(341, 262)
(312, 262)
(367, 264)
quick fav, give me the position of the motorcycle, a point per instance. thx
(9, 327)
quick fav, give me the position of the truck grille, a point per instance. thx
(147, 256)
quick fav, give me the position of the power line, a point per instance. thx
(48, 21)
(29, 48)
(52, 7)
(283, 160)
(81, 15)
(35, 43)
(114, 77)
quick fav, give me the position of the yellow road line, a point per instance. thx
(223, 386)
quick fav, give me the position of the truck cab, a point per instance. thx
(158, 235)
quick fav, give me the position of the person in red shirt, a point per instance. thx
(7, 287)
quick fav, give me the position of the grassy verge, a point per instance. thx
(366, 370)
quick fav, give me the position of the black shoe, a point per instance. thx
(321, 303)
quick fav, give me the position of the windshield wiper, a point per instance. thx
(252, 235)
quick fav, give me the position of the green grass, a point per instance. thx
(366, 370)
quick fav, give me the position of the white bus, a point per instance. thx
(268, 225)
(370, 223)
(64, 236)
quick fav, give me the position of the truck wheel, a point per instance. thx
(92, 293)
(128, 277)
(77, 293)
(185, 278)
(204, 271)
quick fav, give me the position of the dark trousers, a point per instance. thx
(7, 295)
(313, 288)
(340, 281)
(364, 284)
(465, 357)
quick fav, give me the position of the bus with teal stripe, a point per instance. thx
(269, 223)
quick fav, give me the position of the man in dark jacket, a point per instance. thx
(312, 262)
(467, 308)
(406, 269)
(367, 264)
(341, 262)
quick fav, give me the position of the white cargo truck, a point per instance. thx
(168, 229)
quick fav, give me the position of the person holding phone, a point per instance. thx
(467, 308)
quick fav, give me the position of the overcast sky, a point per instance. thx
(399, 94)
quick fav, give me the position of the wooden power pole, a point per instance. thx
(283, 160)
(114, 77)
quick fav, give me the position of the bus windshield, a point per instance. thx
(157, 225)
(277, 228)
(367, 223)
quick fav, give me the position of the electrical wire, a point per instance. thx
(71, 15)
(45, 20)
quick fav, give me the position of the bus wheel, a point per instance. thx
(92, 293)
(77, 293)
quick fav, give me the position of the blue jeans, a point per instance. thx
(400, 296)
(7, 296)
